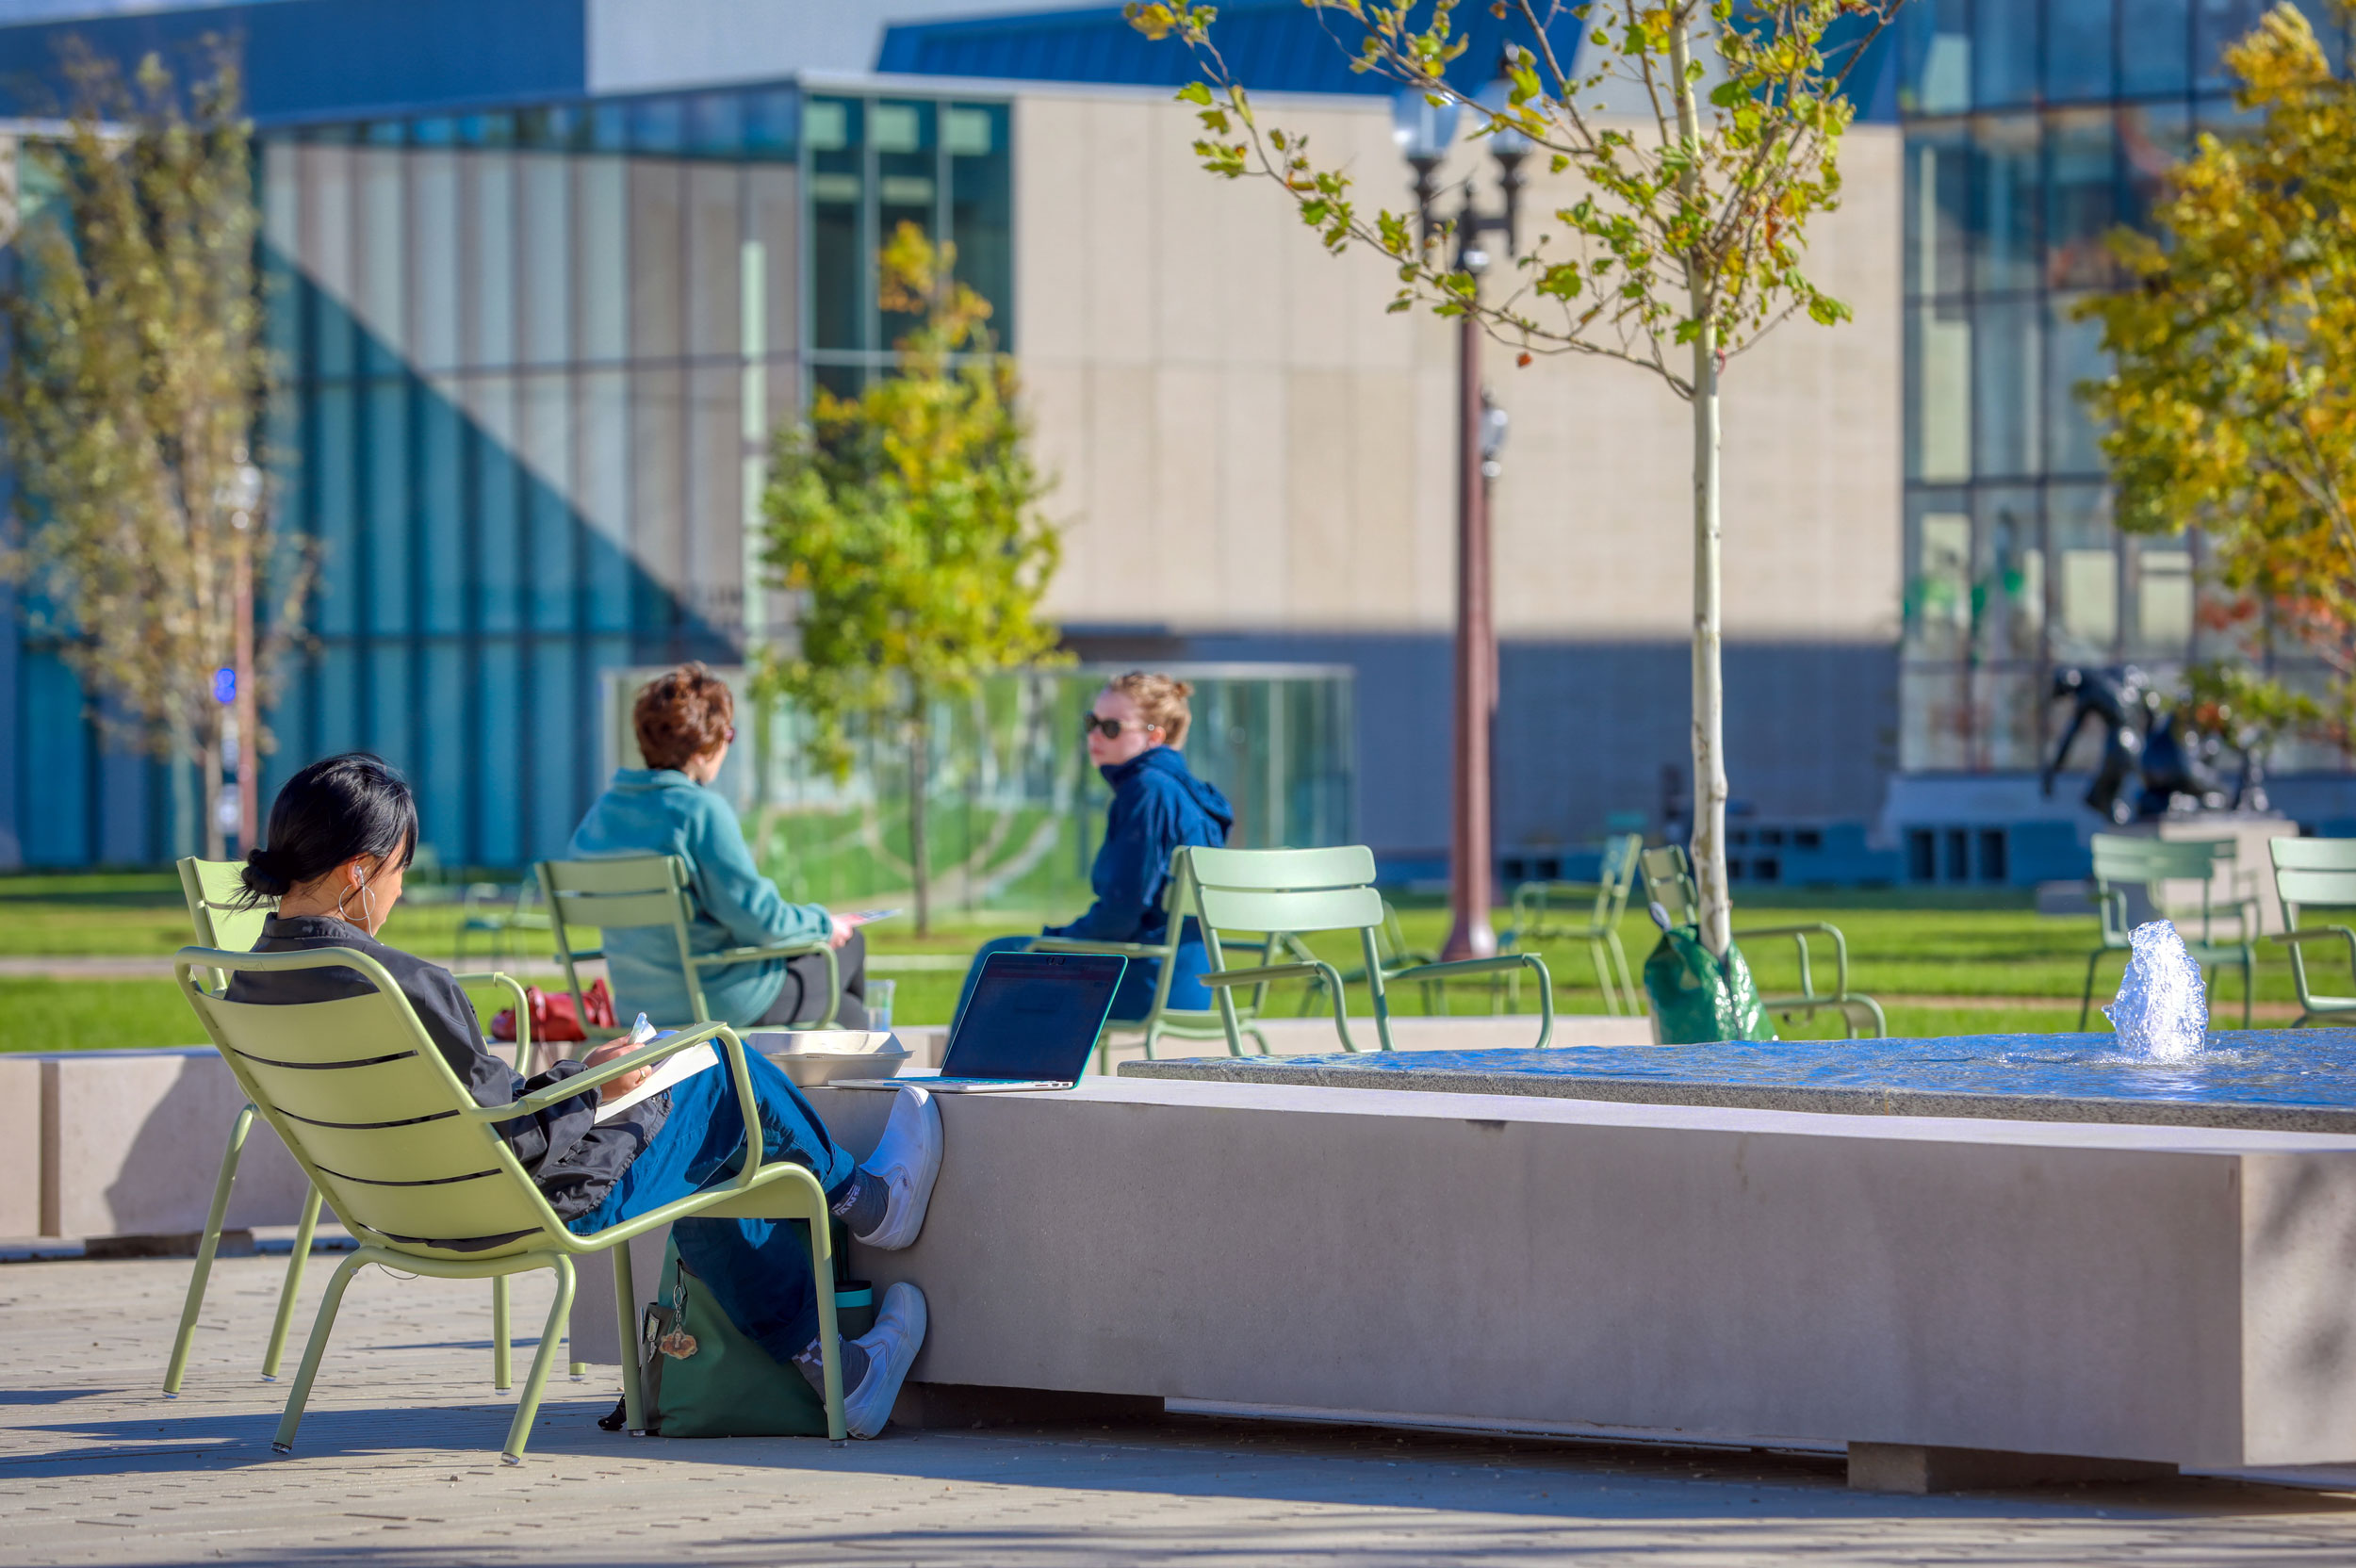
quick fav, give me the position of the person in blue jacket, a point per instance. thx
(1134, 730)
(685, 719)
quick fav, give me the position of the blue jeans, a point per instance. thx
(1134, 998)
(757, 1270)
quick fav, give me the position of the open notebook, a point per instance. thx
(668, 1071)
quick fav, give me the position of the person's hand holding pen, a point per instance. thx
(640, 1034)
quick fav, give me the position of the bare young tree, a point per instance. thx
(133, 399)
(1684, 245)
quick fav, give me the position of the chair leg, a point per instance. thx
(305, 1226)
(502, 1373)
(177, 1366)
(320, 1328)
(1603, 977)
(829, 1335)
(626, 1314)
(1628, 983)
(2086, 1003)
(2247, 985)
(519, 1430)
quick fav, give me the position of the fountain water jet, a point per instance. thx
(2162, 1011)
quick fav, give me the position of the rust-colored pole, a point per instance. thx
(1469, 848)
(248, 709)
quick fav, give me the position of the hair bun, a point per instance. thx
(263, 876)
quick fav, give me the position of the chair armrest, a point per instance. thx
(1490, 966)
(646, 1055)
(523, 1006)
(1310, 970)
(1082, 944)
(752, 954)
(1799, 931)
(2306, 934)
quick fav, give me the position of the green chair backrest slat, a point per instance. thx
(368, 1105)
(2329, 889)
(1284, 870)
(213, 890)
(2312, 854)
(621, 874)
(2120, 857)
(1316, 909)
(1669, 882)
(620, 911)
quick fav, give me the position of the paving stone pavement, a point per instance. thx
(397, 1466)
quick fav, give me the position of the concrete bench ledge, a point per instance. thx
(2168, 1295)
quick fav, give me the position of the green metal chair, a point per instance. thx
(1606, 899)
(214, 893)
(634, 891)
(1669, 882)
(382, 1126)
(1390, 945)
(1162, 1021)
(2126, 860)
(2311, 871)
(1296, 893)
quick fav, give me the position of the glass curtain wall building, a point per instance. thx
(2033, 128)
(535, 362)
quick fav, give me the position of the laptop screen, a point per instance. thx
(1034, 1015)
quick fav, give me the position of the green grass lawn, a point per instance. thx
(1941, 963)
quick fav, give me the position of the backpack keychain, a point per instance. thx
(679, 1343)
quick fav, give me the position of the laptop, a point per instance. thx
(1030, 1024)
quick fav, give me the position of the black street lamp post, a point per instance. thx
(1424, 132)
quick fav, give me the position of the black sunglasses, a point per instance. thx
(1109, 729)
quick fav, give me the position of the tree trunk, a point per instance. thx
(1711, 892)
(208, 787)
(920, 740)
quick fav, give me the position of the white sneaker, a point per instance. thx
(891, 1346)
(906, 1160)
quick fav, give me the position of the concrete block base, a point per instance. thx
(1920, 1468)
(967, 1405)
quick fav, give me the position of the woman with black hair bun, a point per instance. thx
(341, 835)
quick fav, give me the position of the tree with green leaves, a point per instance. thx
(1684, 243)
(2231, 404)
(906, 521)
(134, 395)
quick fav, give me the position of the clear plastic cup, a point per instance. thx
(880, 1002)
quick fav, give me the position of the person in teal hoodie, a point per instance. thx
(685, 721)
(1134, 730)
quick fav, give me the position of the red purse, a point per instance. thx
(552, 1015)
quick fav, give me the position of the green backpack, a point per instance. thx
(704, 1376)
(1697, 996)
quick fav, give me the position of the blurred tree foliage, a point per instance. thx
(135, 390)
(2230, 406)
(906, 521)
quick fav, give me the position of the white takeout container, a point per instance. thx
(812, 1057)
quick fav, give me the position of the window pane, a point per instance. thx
(2080, 208)
(490, 273)
(2077, 49)
(1938, 583)
(2152, 140)
(1937, 208)
(907, 183)
(546, 261)
(601, 258)
(2085, 600)
(774, 193)
(2005, 389)
(384, 530)
(2218, 25)
(2009, 576)
(982, 208)
(433, 256)
(380, 293)
(2004, 158)
(656, 263)
(2154, 36)
(838, 263)
(2074, 351)
(1939, 391)
(1938, 57)
(2004, 53)
(326, 228)
(715, 260)
(2164, 582)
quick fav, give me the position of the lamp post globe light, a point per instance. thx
(1425, 131)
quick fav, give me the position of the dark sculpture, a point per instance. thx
(2146, 735)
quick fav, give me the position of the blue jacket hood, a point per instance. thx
(1168, 763)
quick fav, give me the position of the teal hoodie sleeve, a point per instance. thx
(731, 890)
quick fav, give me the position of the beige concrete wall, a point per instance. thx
(1247, 440)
